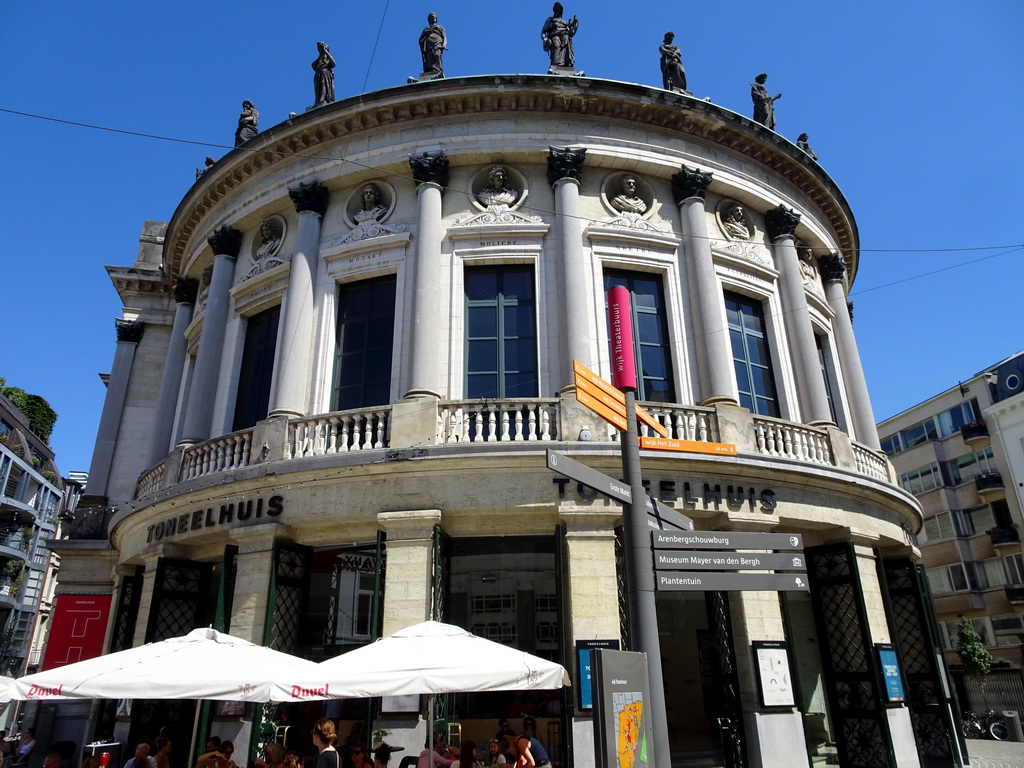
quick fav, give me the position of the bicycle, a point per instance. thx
(990, 725)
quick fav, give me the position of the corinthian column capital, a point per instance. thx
(311, 196)
(565, 163)
(690, 182)
(833, 267)
(429, 169)
(225, 241)
(781, 221)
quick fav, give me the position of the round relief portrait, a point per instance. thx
(627, 193)
(497, 186)
(734, 220)
(269, 238)
(370, 203)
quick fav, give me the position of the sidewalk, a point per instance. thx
(987, 753)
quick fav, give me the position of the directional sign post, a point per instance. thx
(660, 516)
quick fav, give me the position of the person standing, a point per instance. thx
(163, 748)
(324, 739)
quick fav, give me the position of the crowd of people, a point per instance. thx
(522, 750)
(508, 747)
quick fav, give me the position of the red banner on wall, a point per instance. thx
(77, 628)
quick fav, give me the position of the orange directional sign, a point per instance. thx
(688, 446)
(591, 389)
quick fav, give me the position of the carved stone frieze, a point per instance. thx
(498, 215)
(370, 228)
(430, 169)
(310, 196)
(225, 241)
(690, 182)
(744, 250)
(129, 330)
(185, 290)
(781, 221)
(565, 163)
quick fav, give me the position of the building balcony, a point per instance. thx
(975, 434)
(1015, 594)
(990, 486)
(1002, 537)
(407, 430)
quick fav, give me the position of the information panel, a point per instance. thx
(623, 733)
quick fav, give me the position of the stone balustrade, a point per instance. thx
(524, 420)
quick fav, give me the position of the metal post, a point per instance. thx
(643, 610)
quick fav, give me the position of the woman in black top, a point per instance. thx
(324, 738)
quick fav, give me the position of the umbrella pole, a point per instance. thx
(430, 726)
(195, 728)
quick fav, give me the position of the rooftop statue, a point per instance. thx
(323, 76)
(498, 191)
(247, 122)
(628, 201)
(673, 76)
(433, 44)
(801, 141)
(557, 34)
(764, 105)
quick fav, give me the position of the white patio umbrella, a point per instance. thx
(6, 684)
(433, 658)
(204, 664)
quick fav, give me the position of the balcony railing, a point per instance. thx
(1003, 535)
(989, 482)
(340, 432)
(1015, 593)
(784, 439)
(975, 432)
(498, 421)
(471, 422)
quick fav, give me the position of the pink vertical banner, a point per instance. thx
(620, 328)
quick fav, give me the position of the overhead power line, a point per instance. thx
(1008, 248)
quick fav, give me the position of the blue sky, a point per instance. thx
(915, 110)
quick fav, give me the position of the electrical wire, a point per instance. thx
(404, 177)
(375, 42)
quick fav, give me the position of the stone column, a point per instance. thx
(810, 384)
(255, 564)
(711, 342)
(593, 589)
(565, 172)
(431, 175)
(129, 334)
(293, 361)
(225, 242)
(775, 735)
(833, 270)
(163, 421)
(407, 583)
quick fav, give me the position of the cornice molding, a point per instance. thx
(508, 96)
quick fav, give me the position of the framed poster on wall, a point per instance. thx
(774, 680)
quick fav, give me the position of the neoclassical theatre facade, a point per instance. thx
(342, 361)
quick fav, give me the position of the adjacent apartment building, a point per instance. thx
(31, 494)
(961, 453)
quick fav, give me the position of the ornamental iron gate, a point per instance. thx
(929, 698)
(440, 584)
(181, 590)
(851, 669)
(718, 662)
